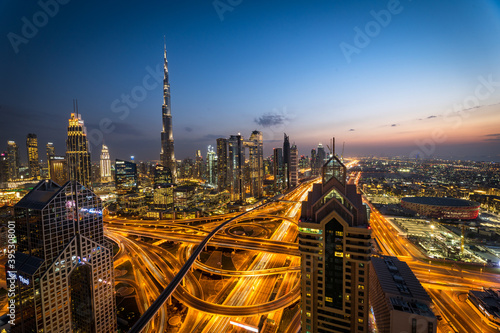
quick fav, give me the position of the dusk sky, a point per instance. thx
(388, 78)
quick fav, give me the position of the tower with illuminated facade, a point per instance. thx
(335, 249)
(77, 151)
(167, 156)
(105, 164)
(33, 162)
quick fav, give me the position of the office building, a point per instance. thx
(334, 244)
(236, 160)
(222, 164)
(399, 302)
(105, 165)
(294, 166)
(163, 189)
(256, 163)
(64, 275)
(13, 157)
(167, 156)
(278, 169)
(58, 169)
(77, 151)
(33, 162)
(286, 162)
(125, 177)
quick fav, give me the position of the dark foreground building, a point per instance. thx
(64, 277)
(334, 244)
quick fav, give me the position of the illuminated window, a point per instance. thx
(339, 254)
(308, 314)
(329, 299)
(339, 233)
(360, 286)
(360, 320)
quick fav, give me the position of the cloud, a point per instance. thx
(430, 117)
(394, 125)
(188, 129)
(351, 130)
(492, 137)
(272, 119)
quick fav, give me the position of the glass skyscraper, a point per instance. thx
(63, 265)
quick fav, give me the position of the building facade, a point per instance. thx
(222, 165)
(33, 162)
(163, 191)
(255, 163)
(294, 166)
(77, 151)
(13, 157)
(236, 160)
(399, 301)
(64, 275)
(125, 177)
(334, 243)
(58, 169)
(278, 169)
(105, 165)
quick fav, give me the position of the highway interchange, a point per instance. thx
(271, 281)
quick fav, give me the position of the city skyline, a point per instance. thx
(303, 69)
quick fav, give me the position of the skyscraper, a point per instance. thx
(256, 160)
(33, 163)
(314, 166)
(236, 161)
(286, 161)
(63, 272)
(163, 195)
(125, 177)
(294, 165)
(211, 166)
(278, 169)
(320, 157)
(199, 169)
(51, 150)
(77, 151)
(167, 156)
(105, 165)
(13, 158)
(4, 167)
(222, 170)
(334, 242)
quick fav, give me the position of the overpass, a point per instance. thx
(158, 303)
